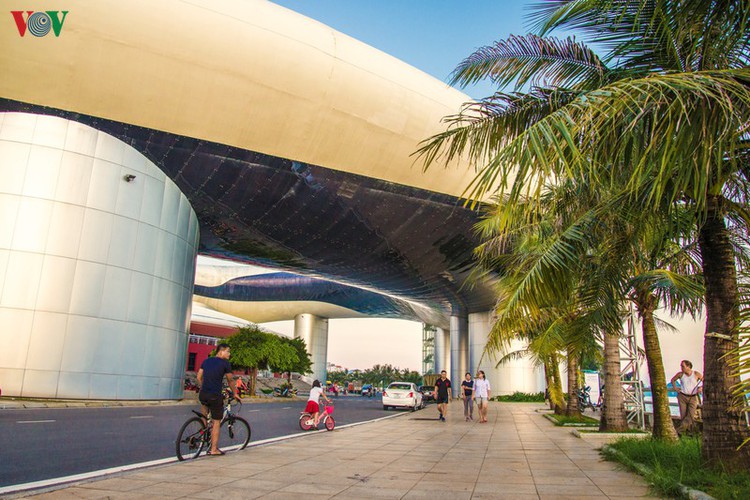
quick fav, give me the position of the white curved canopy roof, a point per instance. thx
(245, 73)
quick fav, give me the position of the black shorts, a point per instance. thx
(442, 400)
(214, 402)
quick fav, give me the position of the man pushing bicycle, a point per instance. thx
(210, 376)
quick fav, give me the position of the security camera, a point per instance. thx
(129, 178)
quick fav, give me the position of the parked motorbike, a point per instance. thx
(284, 392)
(584, 399)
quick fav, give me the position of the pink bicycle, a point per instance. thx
(307, 422)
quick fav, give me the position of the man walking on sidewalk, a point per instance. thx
(443, 394)
(482, 395)
(687, 394)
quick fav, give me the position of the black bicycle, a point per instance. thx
(195, 434)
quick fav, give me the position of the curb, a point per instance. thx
(643, 470)
(580, 435)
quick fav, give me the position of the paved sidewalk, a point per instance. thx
(517, 455)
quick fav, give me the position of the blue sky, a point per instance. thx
(432, 35)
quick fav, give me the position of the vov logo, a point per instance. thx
(39, 23)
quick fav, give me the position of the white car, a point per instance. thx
(402, 394)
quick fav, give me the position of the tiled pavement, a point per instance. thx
(517, 455)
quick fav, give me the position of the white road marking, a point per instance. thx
(251, 411)
(287, 408)
(143, 416)
(34, 421)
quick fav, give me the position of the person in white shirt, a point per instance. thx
(687, 394)
(481, 395)
(313, 408)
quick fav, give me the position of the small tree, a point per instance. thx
(295, 357)
(254, 349)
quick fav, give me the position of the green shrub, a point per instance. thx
(520, 397)
(267, 391)
(673, 463)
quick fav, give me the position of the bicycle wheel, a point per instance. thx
(305, 422)
(235, 434)
(191, 439)
(330, 423)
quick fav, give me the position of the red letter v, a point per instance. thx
(20, 21)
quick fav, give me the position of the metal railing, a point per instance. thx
(630, 377)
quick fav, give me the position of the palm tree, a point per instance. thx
(664, 272)
(545, 295)
(743, 352)
(642, 256)
(669, 105)
(605, 246)
(543, 348)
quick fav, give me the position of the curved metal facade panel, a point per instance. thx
(291, 287)
(96, 267)
(246, 73)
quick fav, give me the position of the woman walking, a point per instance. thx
(482, 395)
(468, 392)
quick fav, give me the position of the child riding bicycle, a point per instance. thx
(313, 407)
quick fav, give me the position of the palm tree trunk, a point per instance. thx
(724, 427)
(613, 413)
(555, 389)
(663, 427)
(548, 383)
(572, 410)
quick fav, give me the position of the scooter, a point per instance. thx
(285, 392)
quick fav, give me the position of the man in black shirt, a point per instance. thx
(442, 394)
(210, 378)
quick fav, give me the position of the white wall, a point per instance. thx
(96, 272)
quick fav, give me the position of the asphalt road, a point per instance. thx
(38, 444)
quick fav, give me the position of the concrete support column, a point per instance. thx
(459, 350)
(442, 350)
(511, 376)
(479, 328)
(314, 331)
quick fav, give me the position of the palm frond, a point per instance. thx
(669, 129)
(533, 60)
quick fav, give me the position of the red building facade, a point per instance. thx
(203, 339)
